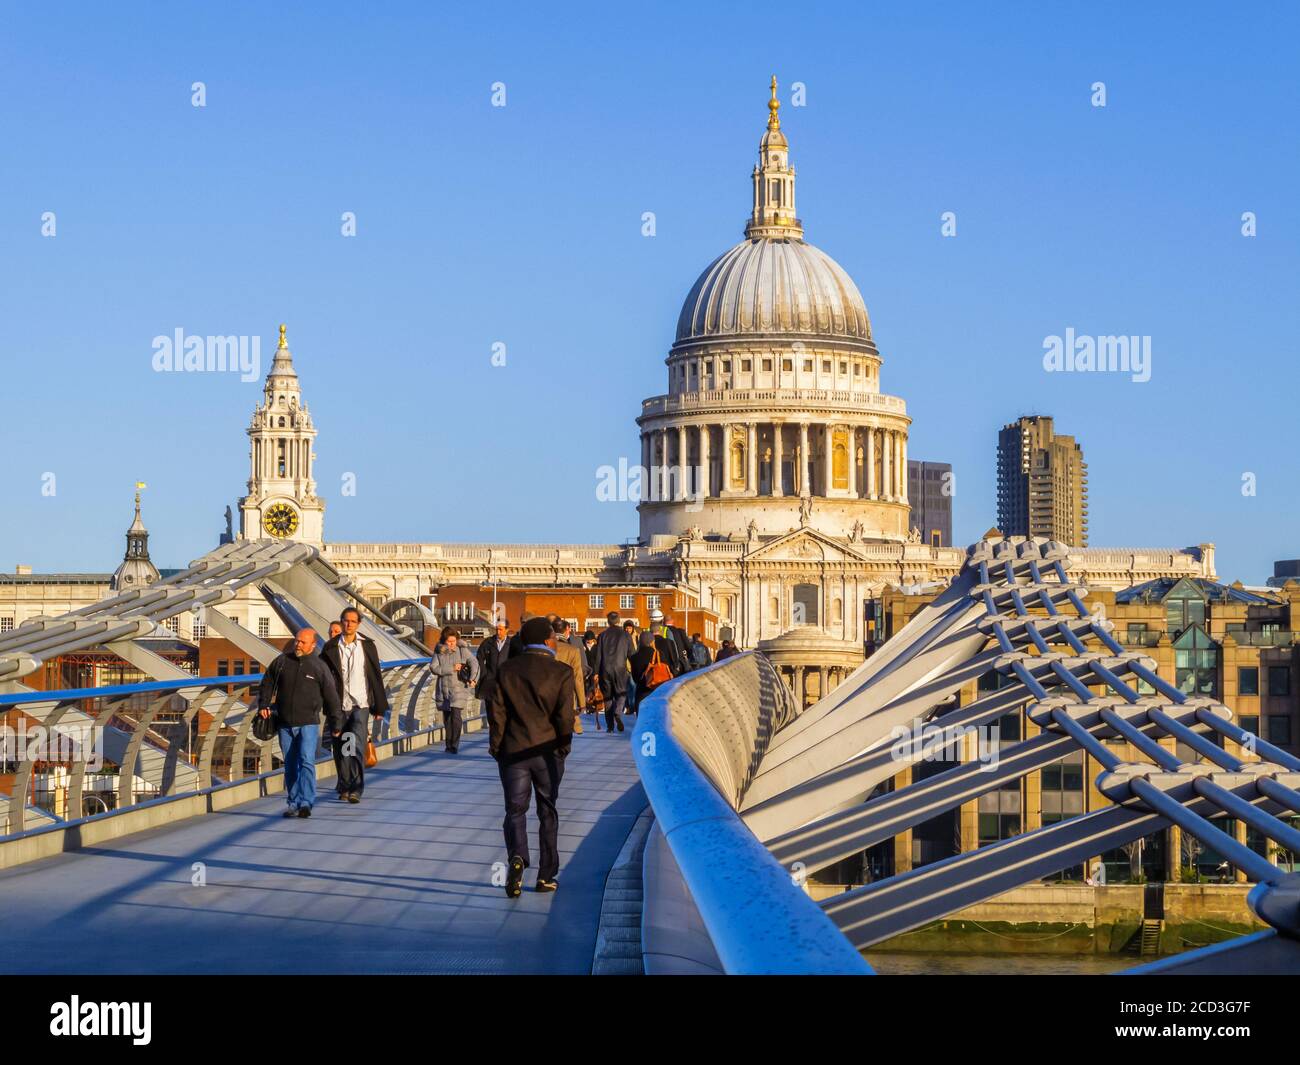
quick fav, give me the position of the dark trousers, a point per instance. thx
(613, 710)
(539, 775)
(451, 729)
(350, 752)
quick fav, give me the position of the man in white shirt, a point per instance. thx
(355, 664)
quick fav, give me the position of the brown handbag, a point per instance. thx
(372, 757)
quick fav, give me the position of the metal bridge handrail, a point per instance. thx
(758, 919)
(143, 687)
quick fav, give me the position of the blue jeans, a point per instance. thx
(298, 745)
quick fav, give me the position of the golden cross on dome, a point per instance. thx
(283, 343)
(773, 106)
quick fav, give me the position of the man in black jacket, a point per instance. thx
(492, 655)
(353, 660)
(530, 722)
(298, 687)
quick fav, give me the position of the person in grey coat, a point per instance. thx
(456, 669)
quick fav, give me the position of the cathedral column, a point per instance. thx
(800, 696)
(853, 461)
(751, 472)
(662, 480)
(778, 459)
(802, 486)
(646, 453)
(706, 479)
(870, 468)
(902, 462)
(828, 458)
(886, 466)
(682, 471)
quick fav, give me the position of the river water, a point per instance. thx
(918, 964)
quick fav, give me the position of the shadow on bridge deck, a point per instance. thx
(398, 884)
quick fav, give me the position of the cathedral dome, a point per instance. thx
(774, 285)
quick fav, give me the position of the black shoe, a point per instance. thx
(304, 811)
(515, 879)
(353, 797)
(290, 812)
(546, 885)
(619, 723)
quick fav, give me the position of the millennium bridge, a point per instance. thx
(685, 842)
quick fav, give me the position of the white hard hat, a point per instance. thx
(656, 614)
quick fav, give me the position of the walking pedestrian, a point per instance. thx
(492, 654)
(353, 661)
(530, 722)
(456, 668)
(727, 649)
(567, 654)
(649, 669)
(674, 653)
(613, 649)
(700, 656)
(298, 687)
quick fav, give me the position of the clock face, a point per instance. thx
(280, 520)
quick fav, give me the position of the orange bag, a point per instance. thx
(656, 673)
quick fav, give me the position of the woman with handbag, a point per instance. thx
(648, 666)
(456, 669)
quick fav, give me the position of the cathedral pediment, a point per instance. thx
(803, 545)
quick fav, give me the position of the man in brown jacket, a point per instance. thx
(530, 723)
(568, 655)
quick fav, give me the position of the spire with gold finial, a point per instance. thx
(773, 211)
(283, 343)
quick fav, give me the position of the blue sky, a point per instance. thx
(521, 225)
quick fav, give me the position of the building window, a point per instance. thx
(857, 369)
(6, 624)
(1279, 729)
(1184, 607)
(844, 368)
(745, 365)
(198, 630)
(805, 604)
(787, 365)
(1062, 789)
(626, 602)
(1196, 662)
(223, 667)
(264, 627)
(237, 670)
(652, 602)
(174, 623)
(1279, 680)
(1248, 680)
(726, 366)
(826, 365)
(807, 366)
(596, 602)
(1137, 633)
(767, 365)
(936, 538)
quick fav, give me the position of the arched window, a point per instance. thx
(737, 463)
(837, 610)
(774, 609)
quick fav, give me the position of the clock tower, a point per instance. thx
(281, 501)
